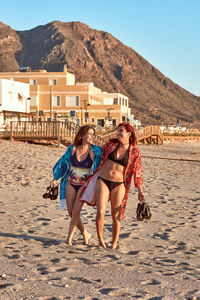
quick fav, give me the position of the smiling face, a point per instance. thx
(123, 135)
(88, 136)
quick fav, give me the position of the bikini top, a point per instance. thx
(85, 164)
(122, 161)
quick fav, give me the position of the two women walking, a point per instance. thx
(108, 177)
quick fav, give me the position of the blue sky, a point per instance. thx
(164, 32)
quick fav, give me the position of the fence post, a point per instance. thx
(25, 128)
(11, 130)
(58, 124)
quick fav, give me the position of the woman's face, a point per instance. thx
(123, 135)
(88, 136)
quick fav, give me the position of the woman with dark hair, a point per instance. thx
(80, 160)
(121, 160)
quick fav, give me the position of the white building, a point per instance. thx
(118, 99)
(173, 129)
(14, 104)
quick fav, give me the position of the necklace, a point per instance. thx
(124, 144)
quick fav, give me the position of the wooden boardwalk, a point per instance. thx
(149, 135)
(64, 133)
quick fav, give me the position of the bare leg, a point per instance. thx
(70, 200)
(102, 195)
(117, 195)
(76, 221)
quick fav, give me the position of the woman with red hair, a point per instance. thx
(121, 160)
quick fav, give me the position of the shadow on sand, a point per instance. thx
(45, 241)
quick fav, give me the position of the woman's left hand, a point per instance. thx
(52, 183)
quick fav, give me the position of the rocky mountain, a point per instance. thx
(98, 57)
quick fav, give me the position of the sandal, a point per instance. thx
(143, 212)
(51, 192)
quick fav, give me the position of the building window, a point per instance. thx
(72, 101)
(122, 101)
(114, 122)
(115, 101)
(126, 104)
(56, 100)
(92, 120)
(123, 119)
(33, 81)
(53, 82)
(100, 122)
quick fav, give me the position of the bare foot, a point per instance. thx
(115, 246)
(68, 242)
(102, 244)
(86, 237)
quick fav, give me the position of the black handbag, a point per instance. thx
(143, 212)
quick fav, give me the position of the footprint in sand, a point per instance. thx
(14, 256)
(115, 292)
(43, 270)
(133, 252)
(5, 285)
(163, 236)
(150, 282)
(125, 235)
(55, 260)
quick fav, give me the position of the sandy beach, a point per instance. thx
(157, 259)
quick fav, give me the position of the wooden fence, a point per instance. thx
(149, 135)
(64, 133)
(53, 131)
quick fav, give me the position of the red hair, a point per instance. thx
(129, 128)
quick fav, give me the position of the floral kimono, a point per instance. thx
(133, 168)
(62, 170)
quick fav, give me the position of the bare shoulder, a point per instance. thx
(91, 153)
(73, 150)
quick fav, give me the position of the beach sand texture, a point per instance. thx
(157, 259)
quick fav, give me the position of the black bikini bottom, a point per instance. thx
(76, 187)
(110, 184)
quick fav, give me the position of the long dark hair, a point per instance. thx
(81, 132)
(129, 128)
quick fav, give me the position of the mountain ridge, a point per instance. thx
(99, 57)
